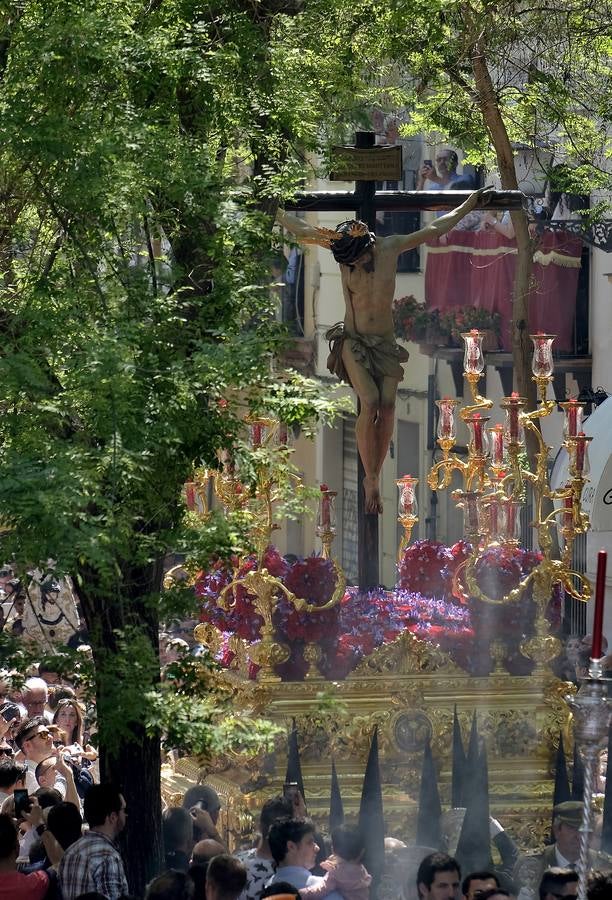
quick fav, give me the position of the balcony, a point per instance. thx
(477, 268)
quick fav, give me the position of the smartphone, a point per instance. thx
(22, 801)
(9, 711)
(428, 162)
(291, 790)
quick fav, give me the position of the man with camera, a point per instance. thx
(36, 743)
(438, 174)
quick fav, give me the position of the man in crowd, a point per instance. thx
(599, 887)
(12, 775)
(440, 175)
(225, 878)
(259, 863)
(203, 802)
(35, 696)
(36, 743)
(294, 850)
(565, 852)
(206, 850)
(177, 830)
(478, 881)
(49, 675)
(93, 863)
(65, 823)
(557, 883)
(171, 885)
(13, 884)
(438, 877)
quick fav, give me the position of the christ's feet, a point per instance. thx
(371, 488)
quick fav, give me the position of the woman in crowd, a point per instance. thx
(69, 717)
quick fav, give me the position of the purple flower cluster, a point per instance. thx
(422, 603)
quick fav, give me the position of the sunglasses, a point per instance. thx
(44, 732)
(7, 751)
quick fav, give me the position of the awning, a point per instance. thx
(597, 494)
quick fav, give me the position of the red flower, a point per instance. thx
(424, 568)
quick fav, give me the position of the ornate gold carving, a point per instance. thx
(411, 731)
(312, 655)
(406, 655)
(559, 717)
(209, 636)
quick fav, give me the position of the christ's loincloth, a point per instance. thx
(379, 355)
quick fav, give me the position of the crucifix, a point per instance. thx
(364, 351)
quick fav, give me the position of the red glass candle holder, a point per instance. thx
(326, 514)
(568, 513)
(498, 448)
(497, 517)
(513, 430)
(407, 500)
(512, 521)
(579, 454)
(473, 359)
(479, 437)
(542, 364)
(573, 414)
(470, 502)
(447, 430)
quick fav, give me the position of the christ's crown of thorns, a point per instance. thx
(327, 236)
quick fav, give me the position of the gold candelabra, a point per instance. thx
(494, 476)
(408, 510)
(268, 437)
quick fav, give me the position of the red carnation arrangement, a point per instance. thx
(424, 568)
(422, 602)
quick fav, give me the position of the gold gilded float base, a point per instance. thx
(409, 690)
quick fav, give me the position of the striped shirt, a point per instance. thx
(92, 863)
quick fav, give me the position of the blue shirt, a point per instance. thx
(300, 877)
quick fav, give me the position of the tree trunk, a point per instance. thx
(137, 772)
(521, 345)
(135, 767)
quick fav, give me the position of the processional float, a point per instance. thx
(414, 683)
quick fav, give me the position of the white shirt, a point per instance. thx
(562, 862)
(32, 785)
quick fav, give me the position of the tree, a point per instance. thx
(486, 75)
(141, 146)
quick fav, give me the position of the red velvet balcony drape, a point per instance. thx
(477, 269)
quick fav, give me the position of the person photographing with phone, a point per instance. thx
(15, 885)
(36, 743)
(12, 777)
(438, 175)
(203, 803)
(53, 767)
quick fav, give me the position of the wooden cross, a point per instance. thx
(365, 165)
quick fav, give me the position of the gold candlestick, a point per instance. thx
(326, 520)
(407, 510)
(492, 498)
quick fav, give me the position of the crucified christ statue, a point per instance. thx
(363, 348)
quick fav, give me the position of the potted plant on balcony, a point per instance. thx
(414, 322)
(465, 318)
